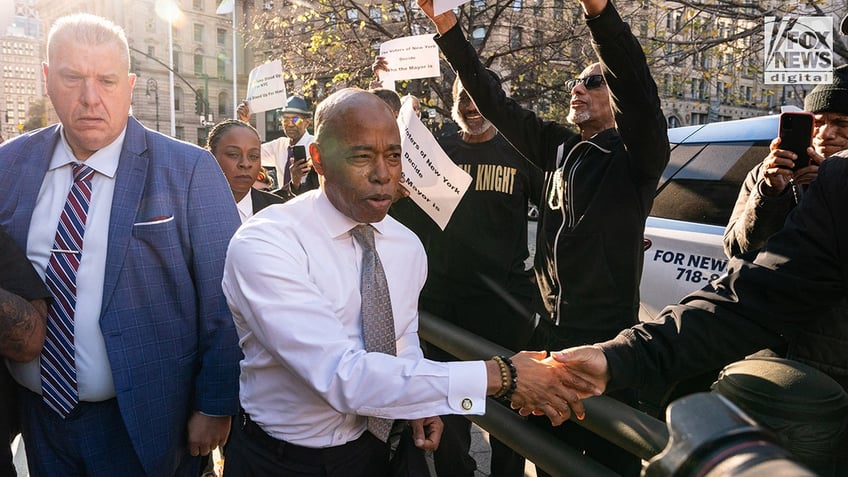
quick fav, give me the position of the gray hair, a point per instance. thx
(87, 29)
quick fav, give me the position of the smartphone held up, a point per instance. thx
(796, 135)
(298, 153)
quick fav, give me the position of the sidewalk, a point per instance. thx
(481, 453)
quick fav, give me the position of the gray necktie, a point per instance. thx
(378, 327)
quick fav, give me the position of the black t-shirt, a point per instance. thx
(486, 238)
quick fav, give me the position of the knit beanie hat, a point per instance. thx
(830, 98)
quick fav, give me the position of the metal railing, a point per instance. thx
(629, 428)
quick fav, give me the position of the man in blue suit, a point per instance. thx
(153, 354)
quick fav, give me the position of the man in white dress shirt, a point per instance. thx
(307, 383)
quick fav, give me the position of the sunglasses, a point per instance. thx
(590, 82)
(296, 120)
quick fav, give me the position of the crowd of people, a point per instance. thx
(159, 300)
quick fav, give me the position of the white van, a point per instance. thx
(695, 197)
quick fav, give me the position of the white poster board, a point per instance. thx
(266, 89)
(434, 182)
(441, 6)
(410, 57)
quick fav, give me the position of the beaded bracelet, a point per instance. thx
(505, 378)
(514, 382)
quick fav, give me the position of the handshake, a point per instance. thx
(555, 385)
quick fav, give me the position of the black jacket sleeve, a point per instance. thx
(635, 102)
(535, 139)
(16, 273)
(799, 273)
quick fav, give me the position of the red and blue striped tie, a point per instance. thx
(58, 363)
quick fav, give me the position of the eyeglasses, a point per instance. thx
(590, 82)
(295, 120)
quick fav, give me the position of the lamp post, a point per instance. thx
(153, 85)
(171, 76)
(170, 12)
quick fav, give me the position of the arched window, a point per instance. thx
(178, 98)
(224, 102)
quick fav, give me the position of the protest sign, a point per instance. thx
(410, 57)
(441, 6)
(434, 182)
(265, 87)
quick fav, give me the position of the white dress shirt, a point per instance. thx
(245, 207)
(94, 374)
(275, 154)
(292, 280)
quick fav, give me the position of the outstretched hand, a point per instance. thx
(243, 112)
(443, 21)
(586, 364)
(546, 387)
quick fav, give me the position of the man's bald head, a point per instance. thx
(357, 151)
(331, 113)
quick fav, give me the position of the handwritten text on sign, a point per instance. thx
(434, 182)
(410, 57)
(265, 87)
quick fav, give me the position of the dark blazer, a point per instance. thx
(170, 337)
(262, 199)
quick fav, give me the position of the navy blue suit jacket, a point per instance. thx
(169, 335)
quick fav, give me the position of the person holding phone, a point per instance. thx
(772, 190)
(774, 186)
(290, 152)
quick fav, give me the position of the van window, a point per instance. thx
(680, 155)
(704, 190)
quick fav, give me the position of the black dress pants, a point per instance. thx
(250, 452)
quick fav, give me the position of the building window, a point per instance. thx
(398, 12)
(222, 68)
(222, 37)
(515, 37)
(478, 4)
(478, 35)
(178, 99)
(198, 64)
(516, 5)
(698, 118)
(179, 132)
(198, 32)
(197, 4)
(558, 9)
(223, 104)
(176, 59)
(538, 7)
(376, 15)
(352, 14)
